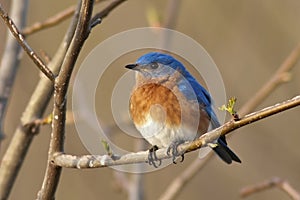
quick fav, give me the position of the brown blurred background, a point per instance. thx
(248, 40)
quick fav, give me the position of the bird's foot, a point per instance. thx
(152, 158)
(173, 148)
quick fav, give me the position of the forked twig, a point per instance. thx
(20, 38)
(267, 184)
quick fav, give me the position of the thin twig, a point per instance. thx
(97, 18)
(182, 179)
(267, 184)
(20, 38)
(52, 174)
(281, 76)
(51, 21)
(97, 161)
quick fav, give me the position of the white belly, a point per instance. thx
(162, 135)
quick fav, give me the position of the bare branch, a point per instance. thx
(267, 184)
(97, 161)
(20, 38)
(182, 179)
(280, 76)
(22, 138)
(53, 172)
(10, 59)
(99, 16)
(51, 21)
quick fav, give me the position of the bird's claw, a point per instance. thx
(152, 158)
(173, 148)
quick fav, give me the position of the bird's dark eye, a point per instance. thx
(154, 65)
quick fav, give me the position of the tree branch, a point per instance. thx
(22, 138)
(97, 18)
(20, 38)
(10, 59)
(97, 161)
(267, 184)
(52, 21)
(53, 172)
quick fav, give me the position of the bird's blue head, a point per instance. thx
(155, 65)
(161, 58)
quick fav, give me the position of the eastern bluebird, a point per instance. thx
(169, 107)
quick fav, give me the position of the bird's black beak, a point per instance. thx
(131, 66)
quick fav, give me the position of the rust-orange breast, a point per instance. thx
(177, 110)
(148, 95)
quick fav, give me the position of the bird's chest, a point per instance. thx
(163, 115)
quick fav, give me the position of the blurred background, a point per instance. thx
(248, 40)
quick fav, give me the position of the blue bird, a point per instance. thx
(169, 107)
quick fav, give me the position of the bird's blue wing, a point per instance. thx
(204, 99)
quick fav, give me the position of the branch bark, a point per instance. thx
(82, 31)
(98, 161)
(20, 38)
(105, 12)
(51, 21)
(267, 184)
